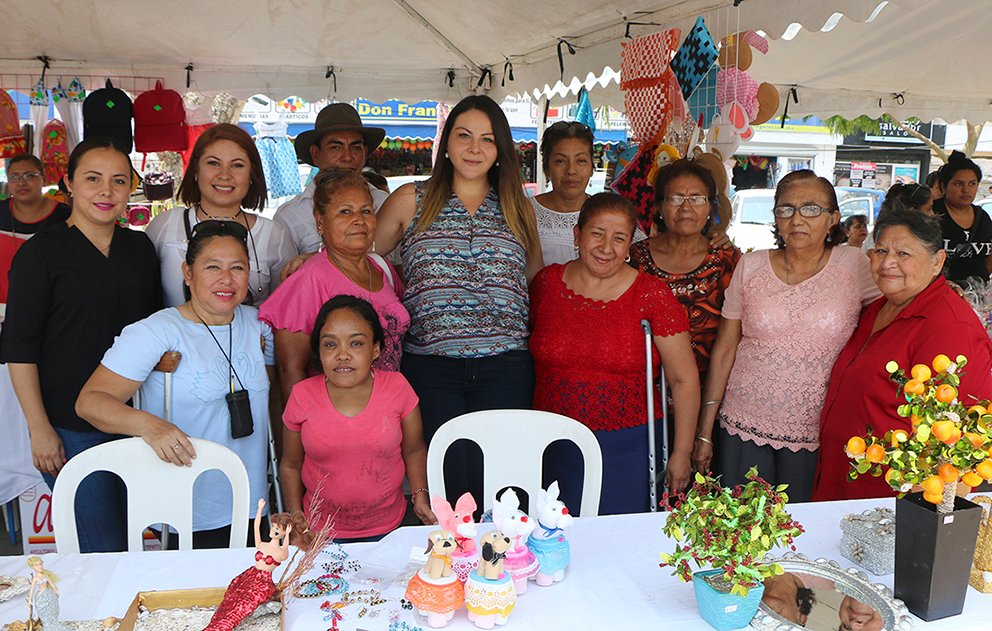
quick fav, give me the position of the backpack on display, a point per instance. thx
(159, 121)
(11, 137)
(54, 151)
(107, 112)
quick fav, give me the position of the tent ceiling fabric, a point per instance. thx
(402, 49)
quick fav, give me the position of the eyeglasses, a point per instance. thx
(215, 227)
(23, 177)
(695, 201)
(810, 211)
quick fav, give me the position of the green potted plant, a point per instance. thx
(945, 442)
(728, 530)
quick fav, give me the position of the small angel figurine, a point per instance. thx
(43, 597)
(255, 586)
(435, 590)
(514, 523)
(548, 542)
(460, 522)
(489, 593)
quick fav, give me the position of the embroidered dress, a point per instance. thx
(466, 290)
(589, 355)
(791, 335)
(282, 177)
(701, 291)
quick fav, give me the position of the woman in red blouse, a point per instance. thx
(917, 318)
(588, 349)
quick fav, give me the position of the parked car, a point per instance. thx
(752, 220)
(986, 205)
(875, 198)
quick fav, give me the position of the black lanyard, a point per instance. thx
(232, 374)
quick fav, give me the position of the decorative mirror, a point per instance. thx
(821, 596)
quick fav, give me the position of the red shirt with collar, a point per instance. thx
(860, 393)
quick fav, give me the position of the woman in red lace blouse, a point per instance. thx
(588, 349)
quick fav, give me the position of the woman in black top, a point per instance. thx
(73, 287)
(966, 228)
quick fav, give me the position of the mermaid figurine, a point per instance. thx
(254, 586)
(43, 596)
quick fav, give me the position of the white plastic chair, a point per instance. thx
(157, 491)
(513, 444)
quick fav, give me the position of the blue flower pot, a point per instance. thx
(725, 612)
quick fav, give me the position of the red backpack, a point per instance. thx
(159, 121)
(11, 139)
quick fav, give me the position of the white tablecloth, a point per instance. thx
(613, 583)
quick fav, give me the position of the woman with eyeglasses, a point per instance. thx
(73, 287)
(25, 211)
(220, 388)
(966, 227)
(567, 159)
(224, 177)
(786, 315)
(345, 216)
(918, 317)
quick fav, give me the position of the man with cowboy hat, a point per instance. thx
(338, 140)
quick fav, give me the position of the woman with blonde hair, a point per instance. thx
(468, 242)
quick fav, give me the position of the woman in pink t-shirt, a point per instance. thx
(352, 434)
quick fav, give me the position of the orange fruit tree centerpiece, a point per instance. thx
(949, 439)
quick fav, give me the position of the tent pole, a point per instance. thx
(542, 124)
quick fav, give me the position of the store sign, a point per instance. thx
(863, 174)
(890, 132)
(396, 111)
(36, 520)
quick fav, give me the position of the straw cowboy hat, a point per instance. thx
(337, 117)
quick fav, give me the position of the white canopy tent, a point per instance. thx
(377, 49)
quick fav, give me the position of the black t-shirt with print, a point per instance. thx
(966, 249)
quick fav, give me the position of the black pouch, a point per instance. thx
(239, 406)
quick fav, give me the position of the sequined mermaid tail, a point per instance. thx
(247, 591)
(46, 607)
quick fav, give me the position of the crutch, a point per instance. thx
(653, 474)
(167, 364)
(274, 469)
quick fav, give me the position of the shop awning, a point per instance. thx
(427, 132)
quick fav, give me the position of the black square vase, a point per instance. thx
(934, 554)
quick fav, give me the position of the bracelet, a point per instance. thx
(704, 439)
(713, 402)
(413, 496)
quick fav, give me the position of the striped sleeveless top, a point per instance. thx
(466, 290)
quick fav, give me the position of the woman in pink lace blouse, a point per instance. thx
(787, 314)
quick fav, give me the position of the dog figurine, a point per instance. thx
(489, 592)
(510, 520)
(548, 542)
(435, 589)
(460, 522)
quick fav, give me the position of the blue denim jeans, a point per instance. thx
(101, 514)
(449, 387)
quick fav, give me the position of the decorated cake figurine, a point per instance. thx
(255, 586)
(460, 522)
(489, 592)
(43, 597)
(548, 542)
(520, 562)
(435, 590)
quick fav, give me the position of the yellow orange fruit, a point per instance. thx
(921, 372)
(893, 477)
(899, 436)
(943, 430)
(946, 393)
(980, 409)
(972, 479)
(933, 498)
(914, 386)
(984, 468)
(940, 363)
(856, 446)
(948, 472)
(875, 453)
(891, 366)
(916, 420)
(932, 485)
(974, 439)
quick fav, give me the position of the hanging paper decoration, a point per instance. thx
(584, 113)
(54, 152)
(39, 114)
(645, 80)
(69, 104)
(11, 138)
(694, 58)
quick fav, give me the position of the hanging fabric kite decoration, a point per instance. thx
(645, 77)
(584, 113)
(694, 58)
